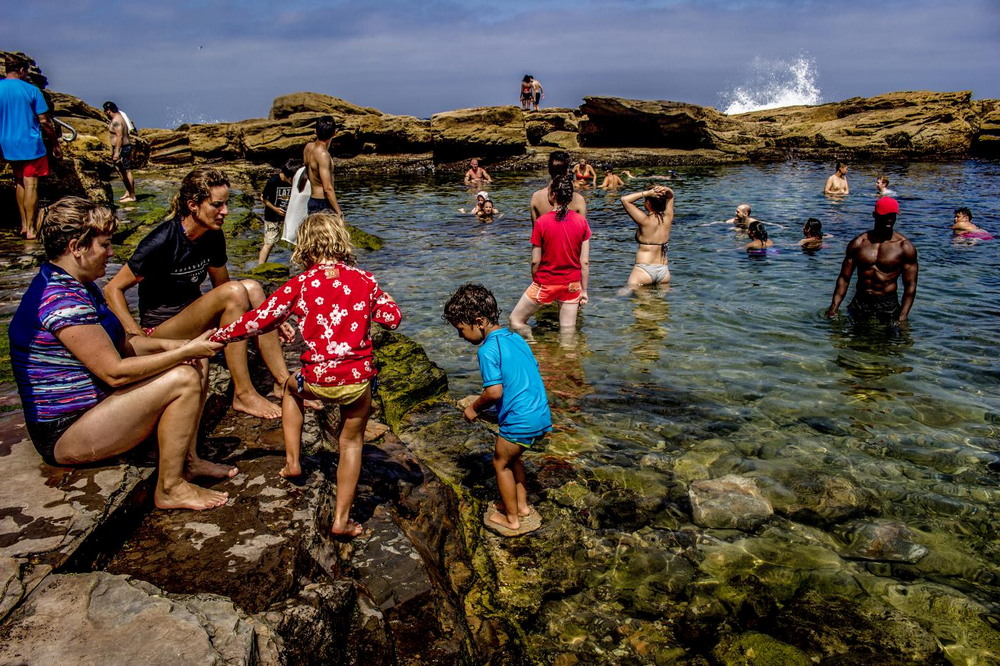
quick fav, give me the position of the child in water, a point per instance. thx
(512, 382)
(812, 232)
(759, 242)
(335, 303)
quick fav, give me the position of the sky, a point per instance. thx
(169, 62)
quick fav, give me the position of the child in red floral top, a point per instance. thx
(335, 303)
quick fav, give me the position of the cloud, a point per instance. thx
(226, 60)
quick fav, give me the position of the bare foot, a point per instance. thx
(313, 404)
(188, 496)
(203, 468)
(256, 405)
(502, 520)
(348, 531)
(290, 469)
(127, 199)
(523, 514)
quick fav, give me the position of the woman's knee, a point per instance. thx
(234, 293)
(255, 292)
(185, 378)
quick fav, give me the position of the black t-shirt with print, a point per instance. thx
(276, 192)
(172, 269)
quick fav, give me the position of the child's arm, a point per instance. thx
(491, 394)
(267, 317)
(384, 309)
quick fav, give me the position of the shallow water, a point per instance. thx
(735, 369)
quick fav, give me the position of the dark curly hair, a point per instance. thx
(469, 303)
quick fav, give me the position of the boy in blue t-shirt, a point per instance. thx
(512, 382)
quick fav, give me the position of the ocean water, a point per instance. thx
(735, 370)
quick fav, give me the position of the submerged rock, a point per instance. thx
(730, 501)
(884, 541)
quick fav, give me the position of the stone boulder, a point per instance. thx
(615, 122)
(987, 141)
(492, 132)
(315, 103)
(901, 124)
(106, 619)
(540, 123)
(730, 501)
(168, 147)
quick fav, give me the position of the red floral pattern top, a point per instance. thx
(335, 305)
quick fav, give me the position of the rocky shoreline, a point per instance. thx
(608, 130)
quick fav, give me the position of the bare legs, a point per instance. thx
(353, 419)
(129, 183)
(511, 479)
(219, 307)
(26, 193)
(171, 402)
(526, 307)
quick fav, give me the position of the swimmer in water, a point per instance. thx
(882, 186)
(759, 242)
(583, 172)
(488, 213)
(652, 236)
(964, 228)
(742, 218)
(837, 183)
(476, 174)
(481, 198)
(812, 232)
(611, 181)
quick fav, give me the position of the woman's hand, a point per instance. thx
(202, 347)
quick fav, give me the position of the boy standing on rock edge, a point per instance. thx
(512, 382)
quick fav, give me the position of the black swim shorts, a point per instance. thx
(45, 434)
(865, 307)
(124, 157)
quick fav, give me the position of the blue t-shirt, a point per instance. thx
(51, 381)
(505, 358)
(20, 134)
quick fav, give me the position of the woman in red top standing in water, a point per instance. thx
(560, 262)
(335, 303)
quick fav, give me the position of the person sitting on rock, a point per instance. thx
(335, 303)
(513, 383)
(88, 391)
(170, 264)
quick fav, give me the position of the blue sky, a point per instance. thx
(220, 60)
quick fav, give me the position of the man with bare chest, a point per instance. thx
(319, 168)
(881, 256)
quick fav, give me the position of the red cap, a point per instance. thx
(886, 205)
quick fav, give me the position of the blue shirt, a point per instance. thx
(20, 134)
(54, 383)
(505, 358)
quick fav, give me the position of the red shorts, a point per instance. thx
(547, 293)
(35, 168)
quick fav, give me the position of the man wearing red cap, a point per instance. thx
(881, 256)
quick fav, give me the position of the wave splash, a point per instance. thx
(773, 84)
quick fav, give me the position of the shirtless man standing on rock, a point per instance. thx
(319, 168)
(837, 183)
(881, 256)
(542, 200)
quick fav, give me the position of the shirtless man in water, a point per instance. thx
(476, 174)
(881, 256)
(837, 183)
(542, 201)
(319, 168)
(742, 218)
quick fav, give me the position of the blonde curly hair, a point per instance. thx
(324, 237)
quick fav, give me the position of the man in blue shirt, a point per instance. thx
(22, 122)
